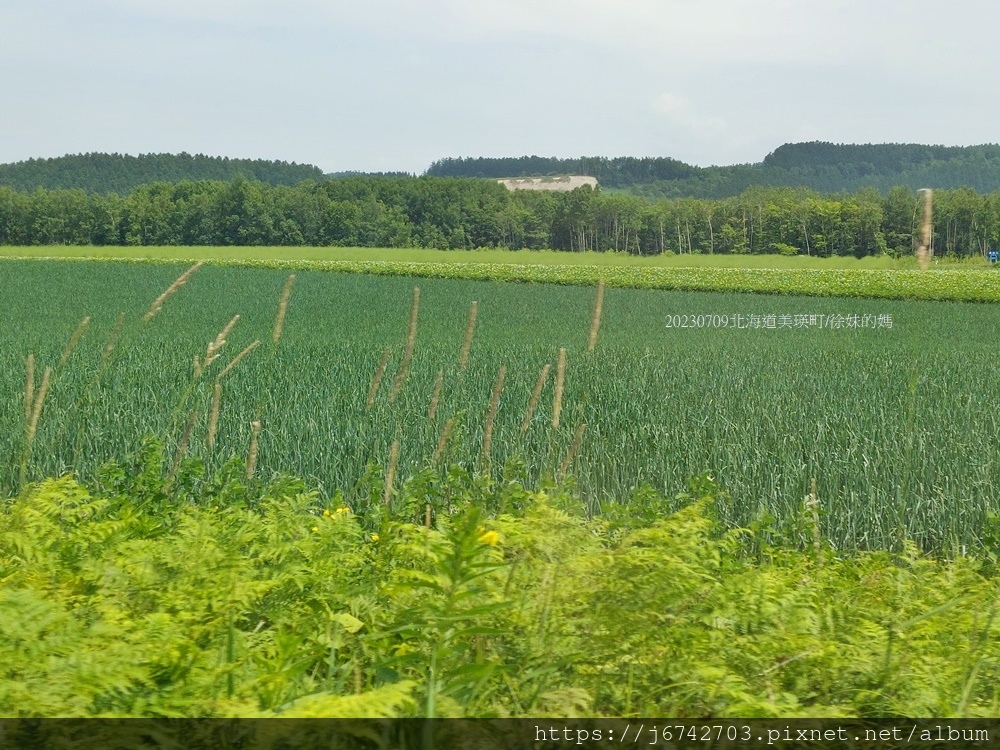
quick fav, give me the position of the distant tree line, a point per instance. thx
(825, 167)
(458, 213)
(121, 173)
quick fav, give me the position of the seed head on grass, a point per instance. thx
(236, 360)
(36, 410)
(812, 502)
(170, 292)
(535, 395)
(595, 323)
(255, 427)
(435, 398)
(181, 449)
(411, 337)
(279, 322)
(574, 447)
(74, 340)
(377, 378)
(560, 382)
(213, 415)
(443, 440)
(470, 328)
(492, 413)
(29, 388)
(212, 352)
(109, 348)
(390, 472)
(32, 424)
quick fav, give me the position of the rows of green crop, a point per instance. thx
(970, 285)
(900, 426)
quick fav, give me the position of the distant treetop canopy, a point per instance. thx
(121, 173)
(826, 167)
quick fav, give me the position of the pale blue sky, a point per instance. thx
(395, 84)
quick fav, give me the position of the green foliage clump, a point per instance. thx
(282, 605)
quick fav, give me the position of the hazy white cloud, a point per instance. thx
(394, 84)
(682, 113)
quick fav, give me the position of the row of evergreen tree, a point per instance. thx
(824, 167)
(122, 173)
(458, 213)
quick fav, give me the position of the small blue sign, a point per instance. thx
(993, 255)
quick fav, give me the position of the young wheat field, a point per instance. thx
(358, 384)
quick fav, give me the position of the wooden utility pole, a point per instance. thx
(924, 249)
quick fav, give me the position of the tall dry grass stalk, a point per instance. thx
(560, 382)
(255, 428)
(29, 388)
(411, 338)
(212, 351)
(279, 322)
(924, 249)
(543, 376)
(436, 397)
(181, 449)
(573, 448)
(390, 472)
(109, 348)
(170, 292)
(812, 501)
(470, 328)
(492, 413)
(31, 427)
(39, 402)
(236, 360)
(443, 440)
(595, 323)
(377, 378)
(74, 340)
(213, 415)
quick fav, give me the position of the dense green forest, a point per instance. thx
(121, 173)
(451, 213)
(825, 167)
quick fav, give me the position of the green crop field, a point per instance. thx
(485, 255)
(895, 415)
(880, 278)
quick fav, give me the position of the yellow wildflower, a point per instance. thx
(490, 538)
(374, 537)
(326, 512)
(315, 528)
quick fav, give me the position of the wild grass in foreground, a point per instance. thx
(359, 384)
(244, 599)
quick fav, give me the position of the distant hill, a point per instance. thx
(821, 166)
(120, 173)
(621, 171)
